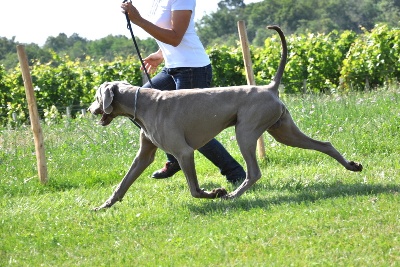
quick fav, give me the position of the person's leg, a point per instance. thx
(214, 151)
(162, 81)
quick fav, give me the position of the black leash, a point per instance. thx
(129, 26)
(136, 46)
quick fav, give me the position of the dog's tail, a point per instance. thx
(282, 64)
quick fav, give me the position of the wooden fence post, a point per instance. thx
(144, 78)
(304, 86)
(33, 115)
(249, 74)
(68, 111)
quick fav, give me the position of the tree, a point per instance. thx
(231, 4)
(389, 12)
(295, 17)
(57, 44)
(6, 46)
(220, 26)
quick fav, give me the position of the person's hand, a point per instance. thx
(153, 61)
(133, 13)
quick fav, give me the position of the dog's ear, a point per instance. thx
(107, 95)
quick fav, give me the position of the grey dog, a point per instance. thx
(181, 121)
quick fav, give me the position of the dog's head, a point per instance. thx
(102, 104)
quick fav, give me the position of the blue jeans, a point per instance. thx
(199, 77)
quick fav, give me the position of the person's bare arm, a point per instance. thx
(153, 61)
(179, 23)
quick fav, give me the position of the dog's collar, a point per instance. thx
(135, 104)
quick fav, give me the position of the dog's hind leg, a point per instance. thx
(144, 157)
(286, 132)
(247, 141)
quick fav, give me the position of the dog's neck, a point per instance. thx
(126, 106)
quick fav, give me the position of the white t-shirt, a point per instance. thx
(190, 52)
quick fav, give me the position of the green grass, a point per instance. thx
(307, 210)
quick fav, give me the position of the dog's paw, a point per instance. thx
(229, 196)
(355, 167)
(106, 205)
(219, 192)
(99, 208)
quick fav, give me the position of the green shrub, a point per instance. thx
(317, 63)
(227, 66)
(373, 59)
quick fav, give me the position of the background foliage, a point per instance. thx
(220, 27)
(317, 63)
(334, 45)
(299, 17)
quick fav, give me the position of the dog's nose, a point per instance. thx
(89, 109)
(93, 109)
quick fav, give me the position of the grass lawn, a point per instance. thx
(307, 210)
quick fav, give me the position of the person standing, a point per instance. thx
(186, 66)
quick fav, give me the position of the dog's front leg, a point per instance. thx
(186, 162)
(144, 157)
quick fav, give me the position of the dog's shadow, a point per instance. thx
(309, 194)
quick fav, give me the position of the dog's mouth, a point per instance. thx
(105, 119)
(96, 109)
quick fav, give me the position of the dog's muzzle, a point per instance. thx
(96, 109)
